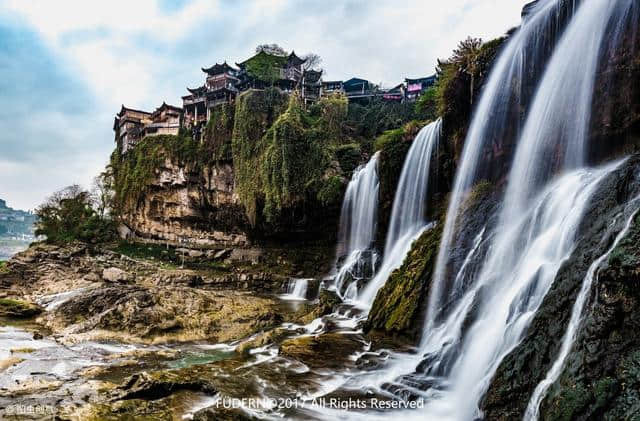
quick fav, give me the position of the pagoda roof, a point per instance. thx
(395, 89)
(124, 109)
(294, 60)
(217, 69)
(166, 106)
(426, 79)
(198, 91)
(312, 76)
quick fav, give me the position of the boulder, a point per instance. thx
(116, 275)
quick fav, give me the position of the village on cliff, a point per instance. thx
(267, 68)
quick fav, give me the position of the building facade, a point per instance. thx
(129, 127)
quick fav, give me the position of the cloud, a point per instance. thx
(66, 66)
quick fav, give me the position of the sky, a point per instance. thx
(67, 66)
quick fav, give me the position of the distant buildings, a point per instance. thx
(224, 82)
(15, 223)
(415, 87)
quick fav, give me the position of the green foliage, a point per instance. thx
(291, 160)
(388, 138)
(3, 266)
(331, 191)
(134, 170)
(349, 156)
(266, 67)
(68, 216)
(218, 133)
(426, 105)
(331, 112)
(369, 121)
(255, 113)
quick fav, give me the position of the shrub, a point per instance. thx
(348, 156)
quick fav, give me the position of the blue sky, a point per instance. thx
(67, 66)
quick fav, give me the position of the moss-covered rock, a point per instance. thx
(219, 131)
(18, 309)
(255, 112)
(399, 306)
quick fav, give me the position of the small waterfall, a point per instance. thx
(533, 408)
(358, 224)
(408, 217)
(297, 289)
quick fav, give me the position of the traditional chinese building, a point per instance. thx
(129, 127)
(415, 87)
(396, 93)
(166, 119)
(359, 90)
(195, 106)
(331, 87)
(311, 86)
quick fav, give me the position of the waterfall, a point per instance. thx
(358, 224)
(540, 391)
(297, 289)
(469, 331)
(498, 116)
(408, 216)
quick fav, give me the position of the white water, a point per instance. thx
(465, 340)
(358, 224)
(520, 268)
(491, 121)
(408, 217)
(296, 289)
(533, 408)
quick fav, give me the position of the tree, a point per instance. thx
(67, 215)
(312, 62)
(273, 49)
(102, 193)
(465, 56)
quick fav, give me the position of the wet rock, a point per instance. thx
(159, 385)
(222, 414)
(159, 314)
(275, 335)
(329, 350)
(327, 302)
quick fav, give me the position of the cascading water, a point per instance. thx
(465, 340)
(533, 408)
(498, 117)
(296, 289)
(408, 217)
(358, 223)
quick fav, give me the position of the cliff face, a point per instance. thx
(186, 204)
(265, 170)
